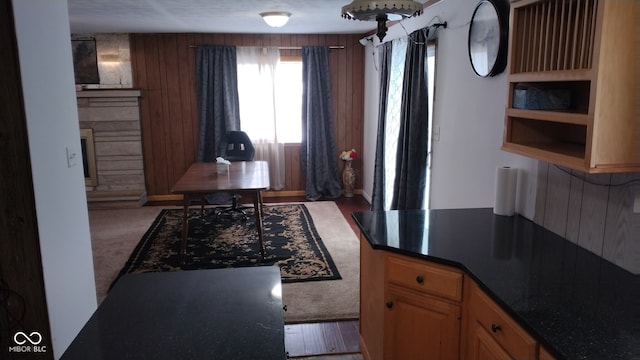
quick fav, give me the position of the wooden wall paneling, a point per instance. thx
(346, 66)
(153, 139)
(356, 113)
(555, 213)
(173, 141)
(593, 212)
(139, 76)
(160, 106)
(574, 206)
(339, 86)
(541, 193)
(186, 92)
(174, 100)
(191, 118)
(599, 218)
(298, 177)
(338, 81)
(164, 69)
(184, 106)
(164, 105)
(355, 105)
(622, 223)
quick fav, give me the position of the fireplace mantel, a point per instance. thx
(114, 116)
(108, 93)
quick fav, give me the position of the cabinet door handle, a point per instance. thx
(495, 328)
(420, 279)
(389, 304)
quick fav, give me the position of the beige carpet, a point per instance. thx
(115, 233)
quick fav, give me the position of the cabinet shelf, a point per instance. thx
(563, 154)
(573, 73)
(567, 97)
(557, 140)
(562, 75)
(555, 116)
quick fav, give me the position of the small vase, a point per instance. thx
(348, 179)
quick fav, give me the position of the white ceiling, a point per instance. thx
(210, 16)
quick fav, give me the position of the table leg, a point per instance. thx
(257, 205)
(185, 227)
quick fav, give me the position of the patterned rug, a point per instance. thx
(220, 241)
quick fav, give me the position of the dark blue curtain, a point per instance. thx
(377, 198)
(413, 139)
(218, 105)
(318, 156)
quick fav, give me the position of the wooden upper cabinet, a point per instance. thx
(573, 95)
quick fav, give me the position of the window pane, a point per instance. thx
(256, 104)
(289, 101)
(392, 123)
(262, 100)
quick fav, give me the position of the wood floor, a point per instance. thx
(303, 340)
(346, 205)
(326, 340)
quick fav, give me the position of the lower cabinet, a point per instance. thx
(490, 332)
(420, 327)
(422, 309)
(409, 309)
(413, 309)
(481, 345)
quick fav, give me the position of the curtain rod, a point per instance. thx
(332, 47)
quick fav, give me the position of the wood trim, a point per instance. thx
(266, 194)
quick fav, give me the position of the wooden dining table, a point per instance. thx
(246, 178)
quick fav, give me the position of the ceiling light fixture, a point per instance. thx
(381, 11)
(275, 18)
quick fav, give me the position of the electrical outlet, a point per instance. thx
(72, 156)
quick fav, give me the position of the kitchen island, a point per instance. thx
(231, 314)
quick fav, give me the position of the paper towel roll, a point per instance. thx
(505, 191)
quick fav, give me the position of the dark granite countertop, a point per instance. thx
(576, 304)
(197, 314)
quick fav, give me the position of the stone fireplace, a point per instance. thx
(113, 117)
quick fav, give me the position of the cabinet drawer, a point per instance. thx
(426, 277)
(511, 337)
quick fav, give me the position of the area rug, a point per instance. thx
(223, 241)
(116, 232)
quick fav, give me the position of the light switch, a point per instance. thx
(436, 134)
(72, 156)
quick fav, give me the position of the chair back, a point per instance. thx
(238, 147)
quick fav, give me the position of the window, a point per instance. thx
(270, 95)
(392, 124)
(431, 75)
(271, 98)
(288, 96)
